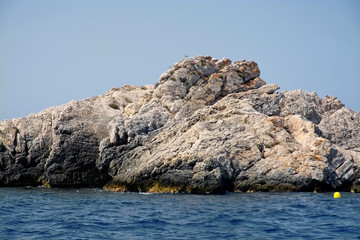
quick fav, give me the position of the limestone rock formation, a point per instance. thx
(207, 126)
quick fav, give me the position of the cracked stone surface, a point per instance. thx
(207, 126)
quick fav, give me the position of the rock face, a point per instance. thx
(207, 126)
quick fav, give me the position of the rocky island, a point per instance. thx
(207, 126)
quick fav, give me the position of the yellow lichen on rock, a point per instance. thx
(114, 187)
(46, 184)
(159, 188)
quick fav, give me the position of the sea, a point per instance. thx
(92, 213)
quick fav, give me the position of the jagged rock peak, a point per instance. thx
(189, 70)
(195, 82)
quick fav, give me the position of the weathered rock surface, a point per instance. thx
(207, 126)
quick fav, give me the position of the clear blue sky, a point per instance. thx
(54, 51)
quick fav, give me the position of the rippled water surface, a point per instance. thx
(40, 213)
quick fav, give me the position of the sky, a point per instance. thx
(52, 52)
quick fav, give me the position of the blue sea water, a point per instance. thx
(40, 213)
